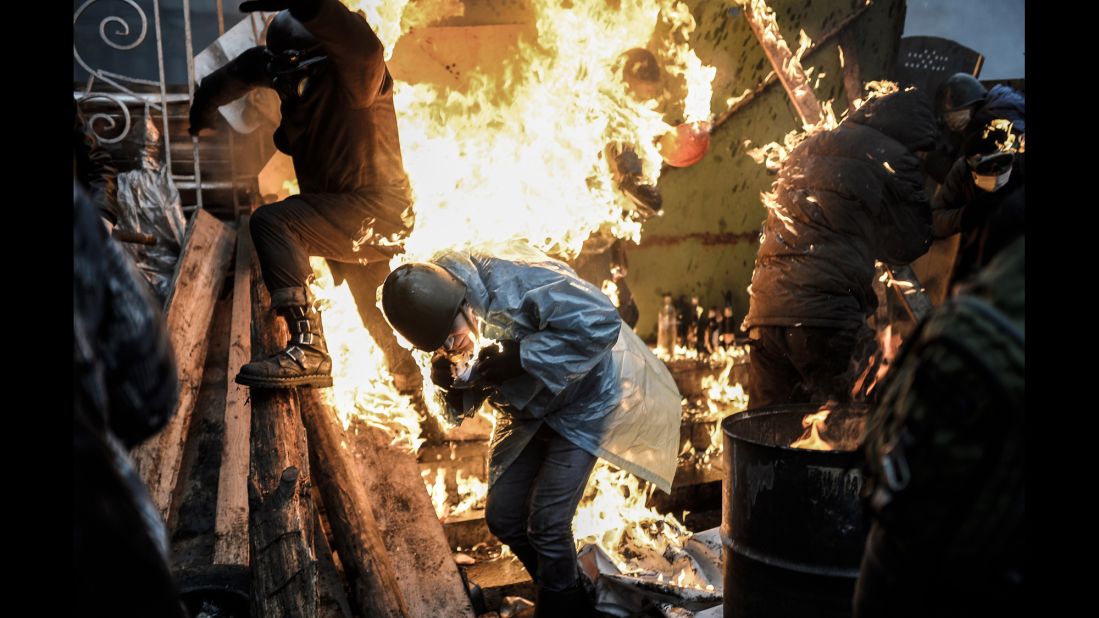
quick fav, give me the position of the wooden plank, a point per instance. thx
(231, 523)
(367, 564)
(332, 594)
(281, 515)
(199, 276)
(787, 67)
(412, 532)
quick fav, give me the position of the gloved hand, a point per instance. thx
(264, 5)
(203, 119)
(498, 365)
(442, 371)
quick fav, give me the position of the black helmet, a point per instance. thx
(959, 91)
(991, 151)
(287, 33)
(420, 301)
(296, 55)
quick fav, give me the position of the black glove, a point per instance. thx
(203, 117)
(264, 5)
(442, 371)
(498, 365)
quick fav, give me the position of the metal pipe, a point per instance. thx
(232, 140)
(191, 92)
(163, 89)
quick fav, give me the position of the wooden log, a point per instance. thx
(787, 67)
(411, 530)
(231, 520)
(367, 564)
(199, 275)
(281, 517)
(332, 594)
(818, 44)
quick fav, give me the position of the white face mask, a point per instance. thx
(958, 118)
(991, 183)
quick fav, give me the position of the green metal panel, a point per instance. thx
(706, 242)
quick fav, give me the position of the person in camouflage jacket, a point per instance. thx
(944, 479)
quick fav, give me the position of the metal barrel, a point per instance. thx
(792, 523)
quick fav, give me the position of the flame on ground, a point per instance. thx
(613, 515)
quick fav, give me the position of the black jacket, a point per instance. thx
(342, 135)
(986, 221)
(843, 199)
(125, 390)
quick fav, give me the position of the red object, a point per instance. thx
(687, 144)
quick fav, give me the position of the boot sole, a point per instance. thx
(284, 383)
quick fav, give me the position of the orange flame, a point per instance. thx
(813, 424)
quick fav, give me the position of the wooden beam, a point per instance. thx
(367, 564)
(411, 530)
(787, 67)
(199, 275)
(771, 78)
(281, 516)
(331, 591)
(231, 522)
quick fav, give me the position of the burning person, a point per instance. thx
(843, 199)
(340, 128)
(570, 381)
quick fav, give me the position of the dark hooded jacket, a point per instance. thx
(844, 198)
(342, 134)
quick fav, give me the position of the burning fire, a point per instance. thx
(471, 493)
(613, 515)
(521, 155)
(361, 384)
(813, 424)
(530, 138)
(721, 390)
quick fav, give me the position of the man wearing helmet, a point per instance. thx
(340, 128)
(570, 383)
(974, 200)
(963, 106)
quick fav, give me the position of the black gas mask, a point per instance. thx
(293, 72)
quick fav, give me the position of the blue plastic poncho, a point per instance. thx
(587, 375)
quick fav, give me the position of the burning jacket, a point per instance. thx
(586, 375)
(843, 199)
